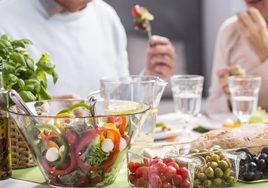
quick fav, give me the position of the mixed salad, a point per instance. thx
(76, 151)
(141, 17)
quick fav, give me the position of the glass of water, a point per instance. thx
(244, 95)
(187, 95)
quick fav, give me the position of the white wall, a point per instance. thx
(215, 12)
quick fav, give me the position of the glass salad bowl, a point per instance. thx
(75, 149)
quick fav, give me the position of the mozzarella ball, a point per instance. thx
(61, 148)
(123, 144)
(52, 154)
(229, 121)
(107, 145)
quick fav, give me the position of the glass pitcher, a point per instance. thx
(146, 89)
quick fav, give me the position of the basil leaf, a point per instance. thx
(45, 57)
(8, 68)
(36, 83)
(55, 76)
(29, 61)
(5, 47)
(41, 74)
(12, 79)
(5, 37)
(29, 87)
(18, 43)
(46, 66)
(18, 58)
(27, 41)
(27, 96)
(21, 83)
(24, 73)
(43, 94)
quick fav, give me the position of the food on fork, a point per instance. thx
(237, 70)
(141, 17)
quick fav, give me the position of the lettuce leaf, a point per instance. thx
(258, 117)
(94, 156)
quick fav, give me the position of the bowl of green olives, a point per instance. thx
(219, 168)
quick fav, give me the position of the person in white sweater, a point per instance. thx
(242, 40)
(86, 40)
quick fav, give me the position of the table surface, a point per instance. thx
(121, 181)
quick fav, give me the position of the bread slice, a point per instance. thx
(237, 70)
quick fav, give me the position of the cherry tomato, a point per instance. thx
(170, 171)
(168, 160)
(158, 168)
(65, 165)
(72, 137)
(127, 139)
(139, 182)
(82, 181)
(68, 121)
(177, 179)
(136, 11)
(112, 119)
(132, 178)
(185, 184)
(146, 162)
(167, 185)
(142, 171)
(162, 177)
(132, 166)
(175, 165)
(183, 172)
(155, 181)
(96, 179)
(154, 160)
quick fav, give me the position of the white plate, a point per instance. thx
(214, 121)
(175, 125)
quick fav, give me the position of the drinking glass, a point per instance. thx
(244, 96)
(187, 95)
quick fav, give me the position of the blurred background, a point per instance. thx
(192, 27)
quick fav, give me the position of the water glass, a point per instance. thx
(187, 95)
(244, 96)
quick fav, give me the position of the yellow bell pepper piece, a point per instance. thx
(109, 133)
(51, 144)
(60, 125)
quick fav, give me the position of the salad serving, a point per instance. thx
(78, 151)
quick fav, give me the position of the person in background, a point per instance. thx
(85, 39)
(242, 40)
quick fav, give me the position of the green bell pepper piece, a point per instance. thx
(73, 107)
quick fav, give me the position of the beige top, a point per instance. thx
(232, 49)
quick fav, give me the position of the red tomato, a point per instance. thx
(65, 165)
(142, 171)
(168, 160)
(185, 184)
(136, 11)
(177, 179)
(155, 181)
(127, 139)
(162, 177)
(175, 165)
(132, 166)
(72, 137)
(132, 178)
(82, 181)
(68, 121)
(96, 179)
(154, 160)
(139, 182)
(146, 162)
(167, 185)
(170, 171)
(159, 168)
(183, 172)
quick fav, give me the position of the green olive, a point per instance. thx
(223, 165)
(231, 173)
(228, 161)
(195, 151)
(213, 165)
(230, 180)
(208, 158)
(203, 160)
(195, 174)
(207, 183)
(202, 176)
(217, 181)
(209, 172)
(222, 156)
(204, 167)
(215, 158)
(197, 182)
(198, 168)
(226, 174)
(218, 172)
(203, 150)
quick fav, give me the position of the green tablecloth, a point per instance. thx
(34, 175)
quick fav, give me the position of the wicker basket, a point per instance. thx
(21, 154)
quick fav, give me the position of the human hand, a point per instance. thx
(254, 30)
(160, 58)
(79, 111)
(223, 74)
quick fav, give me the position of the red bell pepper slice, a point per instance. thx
(87, 139)
(56, 172)
(51, 134)
(122, 125)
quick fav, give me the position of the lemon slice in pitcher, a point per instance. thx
(124, 107)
